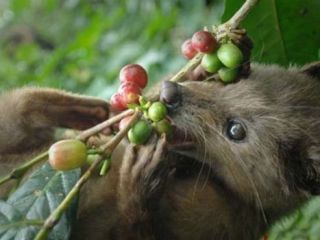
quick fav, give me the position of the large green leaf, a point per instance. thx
(283, 31)
(33, 202)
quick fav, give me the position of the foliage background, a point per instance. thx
(81, 45)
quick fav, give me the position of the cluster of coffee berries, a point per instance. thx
(154, 118)
(133, 79)
(222, 58)
(70, 154)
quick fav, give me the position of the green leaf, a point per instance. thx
(13, 225)
(32, 203)
(302, 224)
(283, 31)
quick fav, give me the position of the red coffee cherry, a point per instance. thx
(187, 50)
(130, 93)
(124, 122)
(117, 103)
(204, 42)
(134, 73)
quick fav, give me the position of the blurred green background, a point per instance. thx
(81, 45)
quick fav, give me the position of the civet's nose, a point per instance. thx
(170, 94)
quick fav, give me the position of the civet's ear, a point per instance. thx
(312, 69)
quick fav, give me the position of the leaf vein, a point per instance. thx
(278, 28)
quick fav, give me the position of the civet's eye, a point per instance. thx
(236, 130)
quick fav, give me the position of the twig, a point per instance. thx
(108, 149)
(21, 170)
(98, 128)
(178, 77)
(111, 145)
(241, 14)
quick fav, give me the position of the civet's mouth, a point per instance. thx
(187, 160)
(182, 143)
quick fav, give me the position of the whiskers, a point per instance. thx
(198, 134)
(202, 129)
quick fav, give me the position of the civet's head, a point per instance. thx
(259, 136)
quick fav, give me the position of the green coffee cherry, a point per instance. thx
(228, 75)
(164, 126)
(67, 154)
(211, 63)
(157, 111)
(140, 132)
(230, 55)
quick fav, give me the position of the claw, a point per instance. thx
(158, 154)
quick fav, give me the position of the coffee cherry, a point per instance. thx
(230, 55)
(134, 73)
(140, 132)
(211, 63)
(204, 42)
(116, 102)
(124, 122)
(157, 111)
(130, 93)
(67, 154)
(228, 75)
(163, 126)
(187, 50)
